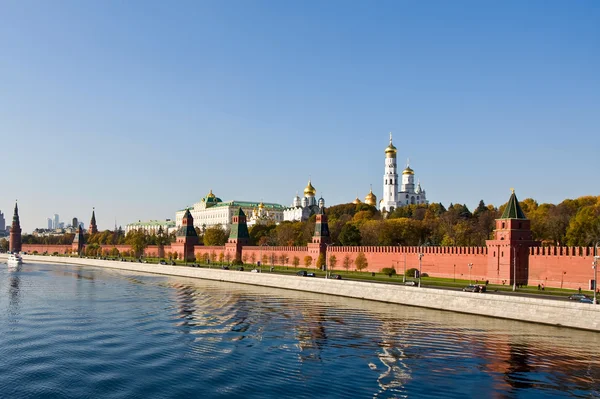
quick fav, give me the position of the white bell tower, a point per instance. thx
(390, 179)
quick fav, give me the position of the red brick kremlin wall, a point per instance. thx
(448, 262)
(276, 252)
(569, 267)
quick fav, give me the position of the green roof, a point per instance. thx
(513, 209)
(250, 204)
(153, 223)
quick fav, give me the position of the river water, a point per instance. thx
(82, 332)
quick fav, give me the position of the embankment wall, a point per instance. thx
(552, 312)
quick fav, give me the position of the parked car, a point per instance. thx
(578, 297)
(411, 283)
(311, 275)
(301, 273)
(225, 267)
(475, 288)
(241, 268)
(173, 263)
(162, 262)
(255, 271)
(336, 277)
(586, 300)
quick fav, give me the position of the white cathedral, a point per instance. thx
(408, 193)
(304, 208)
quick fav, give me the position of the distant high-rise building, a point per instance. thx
(75, 223)
(49, 223)
(2, 222)
(82, 225)
(61, 225)
(56, 221)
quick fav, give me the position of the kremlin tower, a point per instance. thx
(93, 229)
(15, 233)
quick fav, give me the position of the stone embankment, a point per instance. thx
(545, 311)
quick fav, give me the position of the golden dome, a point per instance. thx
(261, 205)
(390, 151)
(371, 199)
(210, 195)
(408, 171)
(356, 201)
(310, 190)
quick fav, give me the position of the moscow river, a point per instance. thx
(83, 332)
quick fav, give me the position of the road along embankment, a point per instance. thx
(544, 311)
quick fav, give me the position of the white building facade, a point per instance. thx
(303, 208)
(211, 211)
(152, 226)
(408, 194)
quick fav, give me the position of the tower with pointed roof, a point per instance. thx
(186, 238)
(321, 236)
(508, 251)
(14, 244)
(238, 236)
(389, 200)
(93, 228)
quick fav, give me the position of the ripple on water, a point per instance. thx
(75, 332)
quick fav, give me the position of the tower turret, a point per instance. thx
(508, 252)
(15, 232)
(186, 237)
(93, 228)
(238, 237)
(390, 179)
(408, 179)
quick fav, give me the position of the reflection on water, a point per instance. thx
(121, 334)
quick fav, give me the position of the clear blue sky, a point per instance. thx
(139, 108)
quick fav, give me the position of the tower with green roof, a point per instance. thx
(238, 236)
(508, 251)
(186, 238)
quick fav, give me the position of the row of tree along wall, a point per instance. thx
(447, 262)
(567, 267)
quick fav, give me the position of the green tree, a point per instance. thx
(4, 244)
(361, 262)
(296, 261)
(215, 236)
(389, 271)
(350, 235)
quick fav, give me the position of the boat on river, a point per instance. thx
(14, 260)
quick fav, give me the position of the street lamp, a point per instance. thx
(596, 258)
(420, 257)
(470, 267)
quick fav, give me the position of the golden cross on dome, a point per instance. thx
(512, 190)
(390, 137)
